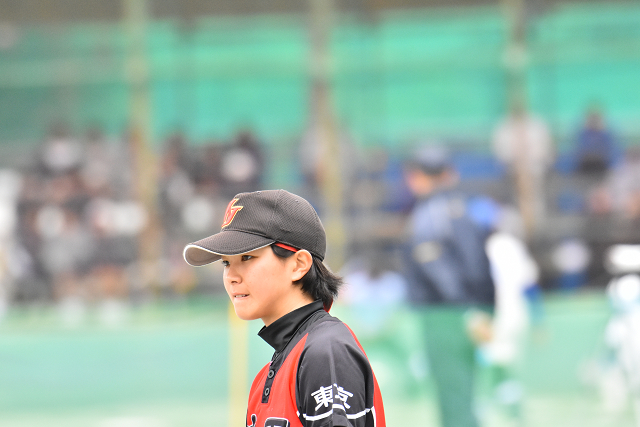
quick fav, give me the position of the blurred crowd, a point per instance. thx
(72, 220)
(566, 205)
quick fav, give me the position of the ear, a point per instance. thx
(303, 261)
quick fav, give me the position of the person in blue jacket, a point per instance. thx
(449, 280)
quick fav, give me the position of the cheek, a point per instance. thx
(273, 271)
(267, 279)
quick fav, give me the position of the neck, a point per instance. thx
(293, 302)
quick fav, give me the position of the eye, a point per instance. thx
(246, 257)
(225, 263)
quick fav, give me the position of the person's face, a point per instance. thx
(260, 284)
(420, 183)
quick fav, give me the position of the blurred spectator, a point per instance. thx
(61, 152)
(449, 276)
(106, 169)
(523, 135)
(523, 143)
(66, 248)
(206, 170)
(596, 147)
(620, 192)
(515, 274)
(77, 222)
(242, 165)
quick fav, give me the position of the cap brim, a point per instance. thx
(230, 242)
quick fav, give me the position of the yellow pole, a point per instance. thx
(516, 63)
(238, 369)
(326, 130)
(145, 162)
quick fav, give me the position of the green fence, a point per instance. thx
(395, 76)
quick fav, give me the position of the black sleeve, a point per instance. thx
(335, 381)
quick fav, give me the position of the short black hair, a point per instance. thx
(320, 283)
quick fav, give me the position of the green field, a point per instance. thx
(167, 364)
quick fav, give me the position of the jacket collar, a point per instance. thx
(279, 333)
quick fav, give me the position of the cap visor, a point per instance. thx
(229, 242)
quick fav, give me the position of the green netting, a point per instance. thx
(583, 55)
(395, 77)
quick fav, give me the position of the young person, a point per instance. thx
(272, 244)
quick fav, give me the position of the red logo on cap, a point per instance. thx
(230, 213)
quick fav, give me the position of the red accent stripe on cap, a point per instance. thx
(287, 247)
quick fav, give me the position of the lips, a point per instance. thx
(240, 296)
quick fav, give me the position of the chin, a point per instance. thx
(244, 315)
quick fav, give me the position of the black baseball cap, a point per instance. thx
(258, 219)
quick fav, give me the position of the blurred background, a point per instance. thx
(127, 125)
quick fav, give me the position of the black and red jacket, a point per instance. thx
(318, 376)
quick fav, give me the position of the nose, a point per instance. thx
(231, 275)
